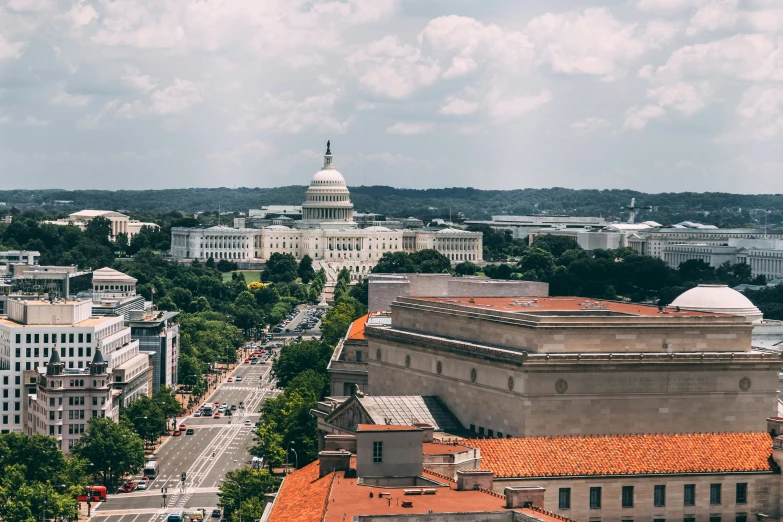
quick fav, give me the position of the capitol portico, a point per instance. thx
(327, 233)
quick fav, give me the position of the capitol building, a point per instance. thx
(327, 233)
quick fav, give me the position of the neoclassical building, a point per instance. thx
(327, 233)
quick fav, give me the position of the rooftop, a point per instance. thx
(626, 454)
(356, 331)
(403, 410)
(109, 274)
(532, 305)
(385, 427)
(304, 497)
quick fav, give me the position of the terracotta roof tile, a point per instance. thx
(356, 331)
(626, 454)
(303, 496)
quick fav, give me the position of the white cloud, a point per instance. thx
(760, 112)
(82, 14)
(173, 99)
(665, 5)
(32, 121)
(410, 128)
(91, 121)
(285, 113)
(252, 150)
(65, 99)
(140, 82)
(686, 98)
(390, 69)
(464, 43)
(637, 118)
(31, 6)
(504, 108)
(458, 107)
(10, 51)
(5, 119)
(589, 125)
(592, 42)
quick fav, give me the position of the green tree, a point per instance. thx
(466, 268)
(394, 263)
(430, 261)
(537, 264)
(555, 244)
(113, 449)
(145, 417)
(121, 243)
(268, 444)
(246, 486)
(296, 358)
(305, 270)
(280, 268)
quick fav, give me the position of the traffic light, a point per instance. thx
(184, 476)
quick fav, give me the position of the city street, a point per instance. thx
(218, 446)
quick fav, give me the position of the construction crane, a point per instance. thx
(633, 209)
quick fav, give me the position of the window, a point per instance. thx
(715, 494)
(89, 351)
(358, 356)
(70, 338)
(46, 338)
(94, 400)
(5, 419)
(714, 519)
(27, 352)
(89, 339)
(627, 496)
(564, 501)
(70, 351)
(742, 518)
(81, 338)
(481, 430)
(17, 419)
(490, 433)
(742, 493)
(473, 428)
(689, 519)
(18, 338)
(51, 429)
(659, 496)
(62, 338)
(36, 352)
(659, 520)
(46, 352)
(27, 338)
(377, 451)
(18, 353)
(595, 498)
(81, 352)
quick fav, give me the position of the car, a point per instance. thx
(224, 405)
(222, 409)
(217, 415)
(129, 486)
(233, 407)
(177, 433)
(230, 379)
(241, 404)
(257, 424)
(142, 484)
(182, 427)
(247, 361)
(247, 422)
(197, 413)
(216, 513)
(217, 404)
(239, 378)
(190, 431)
(254, 361)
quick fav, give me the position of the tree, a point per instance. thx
(305, 270)
(145, 417)
(466, 268)
(280, 268)
(246, 486)
(299, 357)
(554, 244)
(537, 264)
(113, 448)
(268, 444)
(394, 263)
(335, 323)
(121, 242)
(430, 261)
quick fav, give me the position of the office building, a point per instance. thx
(156, 332)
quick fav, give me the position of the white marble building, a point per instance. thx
(326, 233)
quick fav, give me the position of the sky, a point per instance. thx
(652, 95)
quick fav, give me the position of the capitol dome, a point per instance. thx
(328, 177)
(327, 200)
(718, 299)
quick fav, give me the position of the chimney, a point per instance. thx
(340, 442)
(339, 460)
(468, 479)
(428, 431)
(524, 497)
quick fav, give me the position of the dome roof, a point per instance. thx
(718, 299)
(449, 231)
(327, 177)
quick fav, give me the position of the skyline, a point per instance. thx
(649, 95)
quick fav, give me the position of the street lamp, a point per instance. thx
(237, 484)
(297, 457)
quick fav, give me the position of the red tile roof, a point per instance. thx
(626, 454)
(533, 304)
(303, 496)
(385, 427)
(356, 332)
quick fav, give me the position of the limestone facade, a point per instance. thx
(549, 373)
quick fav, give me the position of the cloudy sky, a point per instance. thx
(654, 95)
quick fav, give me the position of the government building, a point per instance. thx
(327, 233)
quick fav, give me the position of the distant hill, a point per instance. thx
(710, 207)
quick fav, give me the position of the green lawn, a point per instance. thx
(250, 275)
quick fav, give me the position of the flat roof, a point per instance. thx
(384, 427)
(531, 305)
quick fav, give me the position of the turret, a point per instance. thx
(98, 365)
(55, 366)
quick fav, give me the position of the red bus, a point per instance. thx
(94, 493)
